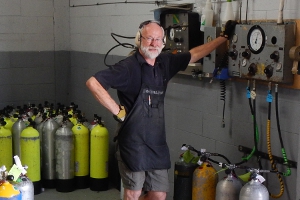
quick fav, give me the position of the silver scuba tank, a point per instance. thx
(228, 188)
(65, 159)
(254, 190)
(48, 152)
(17, 128)
(26, 187)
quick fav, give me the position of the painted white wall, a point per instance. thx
(45, 25)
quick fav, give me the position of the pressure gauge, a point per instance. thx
(256, 39)
(171, 34)
(208, 39)
(244, 62)
(234, 38)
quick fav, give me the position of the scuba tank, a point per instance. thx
(205, 178)
(25, 185)
(183, 178)
(30, 155)
(5, 145)
(17, 128)
(82, 154)
(64, 151)
(99, 158)
(229, 187)
(48, 152)
(22, 182)
(254, 189)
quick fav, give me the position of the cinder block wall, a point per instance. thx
(48, 50)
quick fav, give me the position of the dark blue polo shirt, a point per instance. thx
(125, 76)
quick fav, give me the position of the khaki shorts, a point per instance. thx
(154, 180)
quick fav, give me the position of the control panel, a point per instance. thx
(182, 31)
(261, 51)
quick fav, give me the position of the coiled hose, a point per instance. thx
(274, 167)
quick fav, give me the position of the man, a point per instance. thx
(141, 81)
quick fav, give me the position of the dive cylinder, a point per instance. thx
(183, 180)
(17, 128)
(9, 192)
(64, 150)
(99, 158)
(25, 185)
(30, 155)
(82, 154)
(205, 179)
(48, 152)
(254, 190)
(6, 154)
(228, 188)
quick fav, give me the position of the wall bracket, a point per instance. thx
(277, 159)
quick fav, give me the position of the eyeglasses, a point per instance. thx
(151, 39)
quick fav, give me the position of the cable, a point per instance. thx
(274, 168)
(126, 45)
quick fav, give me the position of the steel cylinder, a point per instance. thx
(99, 158)
(183, 180)
(82, 155)
(6, 154)
(17, 128)
(228, 188)
(48, 152)
(26, 188)
(254, 190)
(64, 149)
(205, 180)
(30, 156)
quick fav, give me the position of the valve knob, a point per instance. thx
(268, 71)
(275, 56)
(252, 69)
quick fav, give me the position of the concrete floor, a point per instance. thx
(82, 194)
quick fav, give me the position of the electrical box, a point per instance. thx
(213, 60)
(260, 51)
(183, 33)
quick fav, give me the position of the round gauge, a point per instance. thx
(234, 38)
(208, 39)
(256, 39)
(171, 34)
(244, 62)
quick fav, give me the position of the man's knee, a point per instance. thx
(152, 195)
(132, 194)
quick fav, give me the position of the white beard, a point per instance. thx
(150, 54)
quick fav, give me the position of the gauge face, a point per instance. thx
(209, 38)
(244, 62)
(171, 34)
(234, 38)
(256, 39)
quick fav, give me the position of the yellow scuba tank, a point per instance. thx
(82, 154)
(30, 155)
(205, 180)
(6, 151)
(99, 158)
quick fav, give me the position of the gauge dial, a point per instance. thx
(234, 38)
(244, 62)
(208, 39)
(256, 39)
(171, 34)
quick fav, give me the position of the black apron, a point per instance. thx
(141, 138)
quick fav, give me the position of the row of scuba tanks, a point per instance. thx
(199, 180)
(60, 147)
